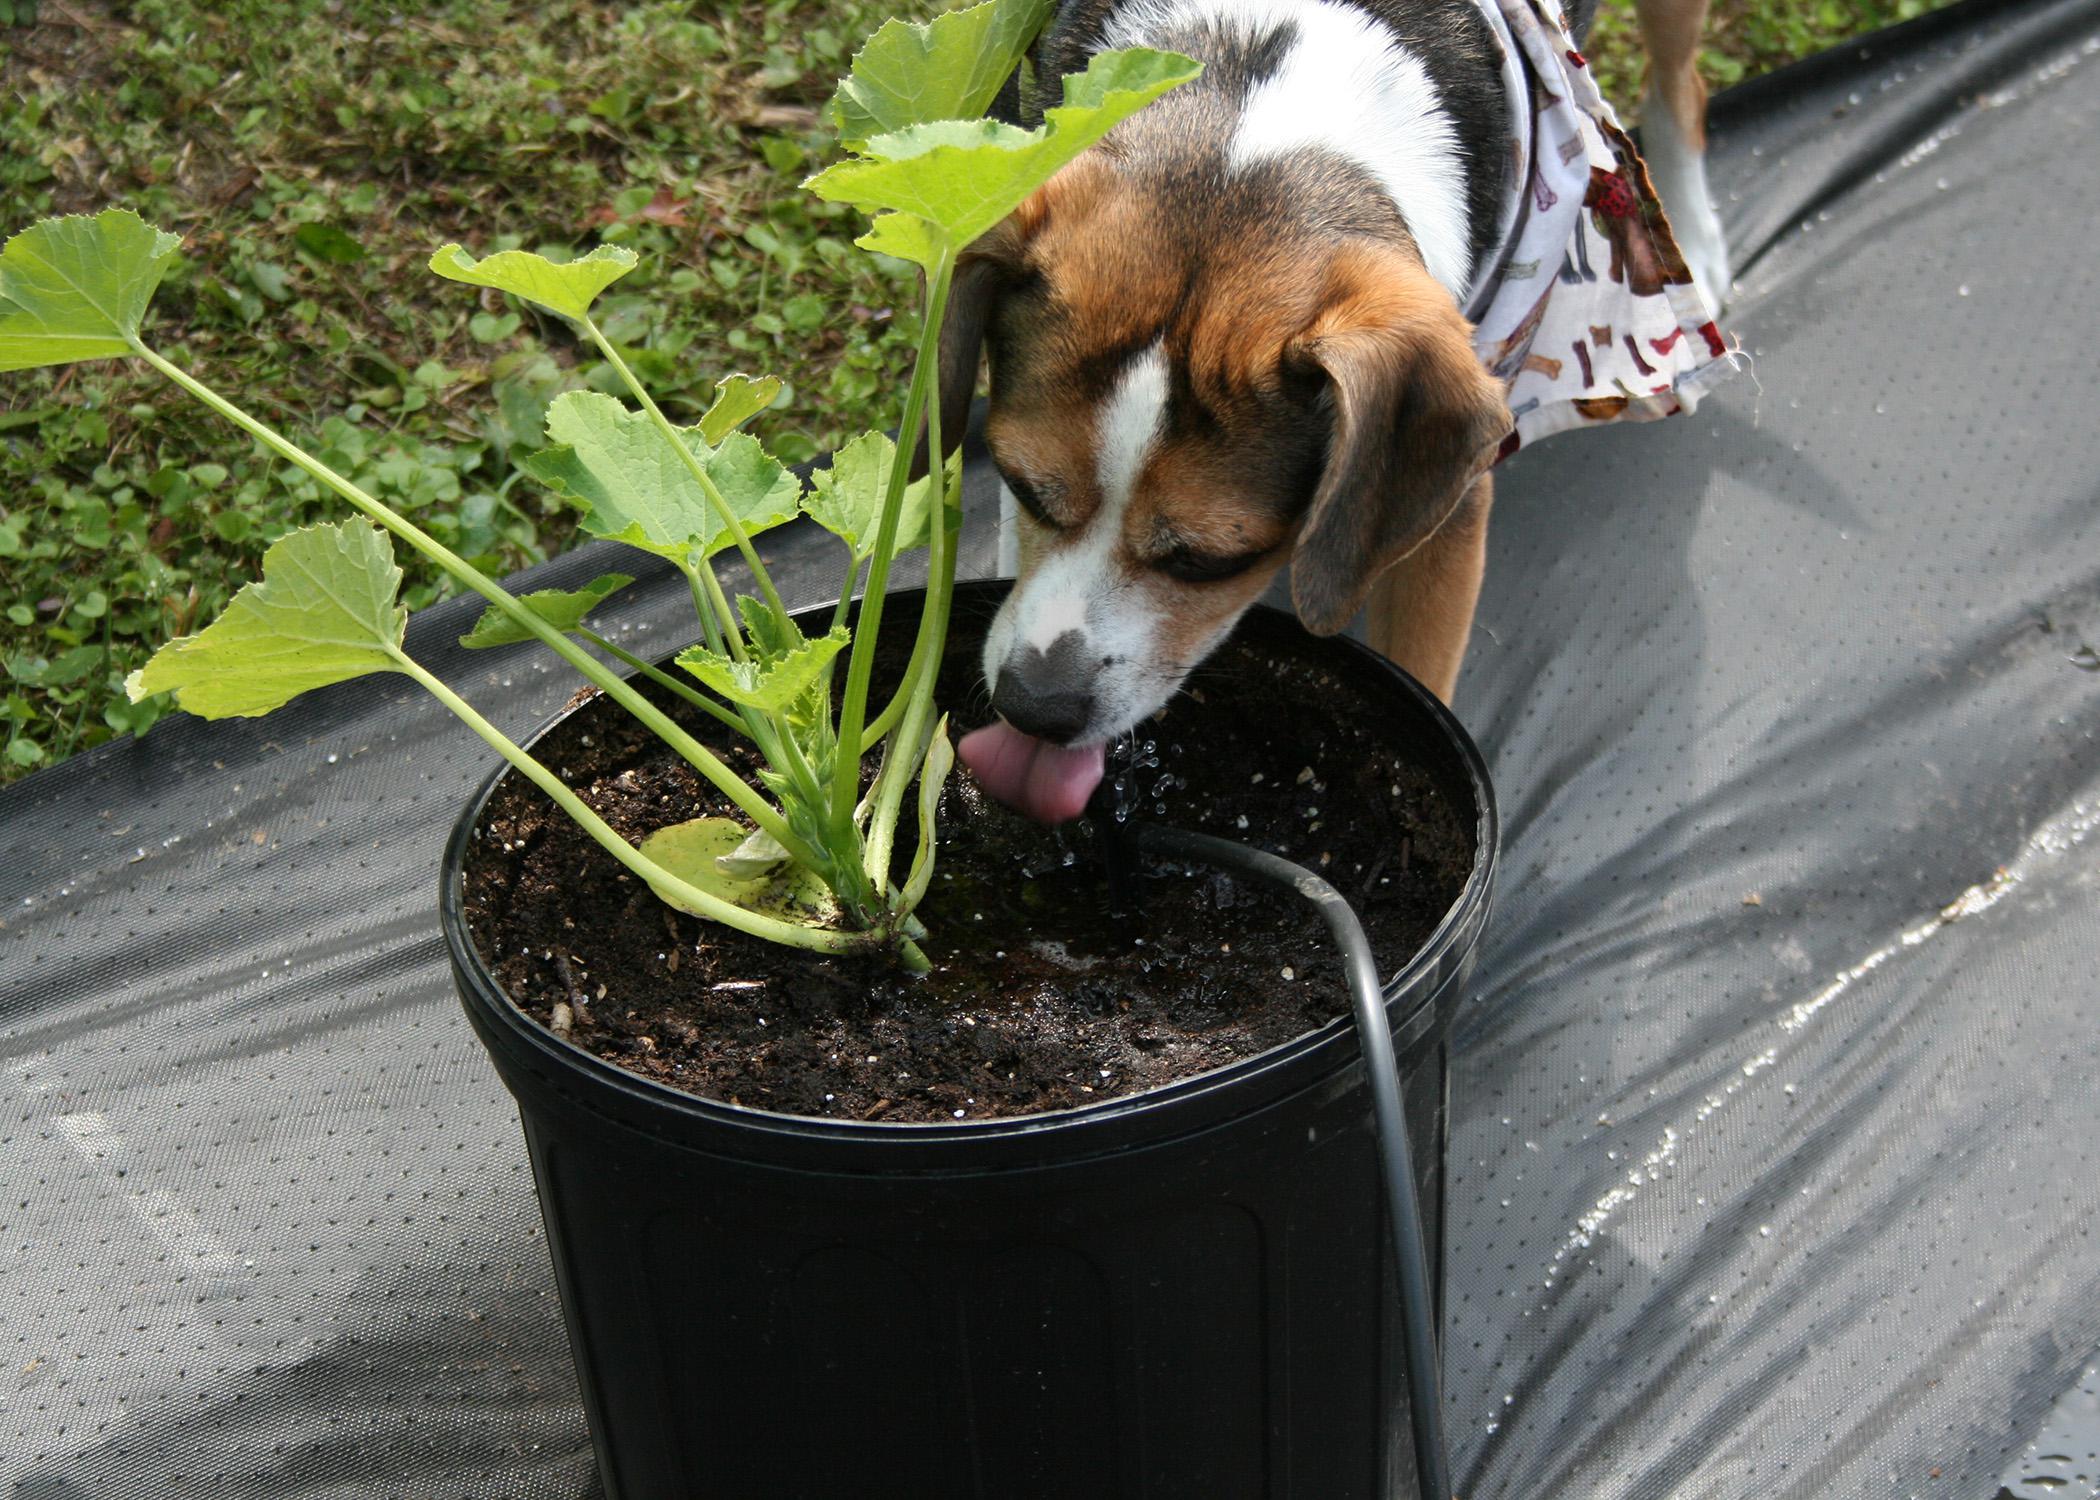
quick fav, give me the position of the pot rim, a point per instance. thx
(1421, 980)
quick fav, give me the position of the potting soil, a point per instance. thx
(1772, 1167)
(1040, 997)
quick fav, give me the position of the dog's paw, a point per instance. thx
(1678, 170)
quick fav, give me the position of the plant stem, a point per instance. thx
(689, 897)
(879, 727)
(838, 614)
(853, 710)
(838, 618)
(665, 680)
(702, 577)
(691, 750)
(696, 468)
(885, 721)
(911, 737)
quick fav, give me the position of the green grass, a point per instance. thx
(313, 156)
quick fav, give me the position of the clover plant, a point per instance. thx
(809, 861)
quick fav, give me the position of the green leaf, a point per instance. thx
(771, 634)
(565, 289)
(846, 499)
(326, 242)
(759, 487)
(564, 609)
(768, 686)
(940, 760)
(960, 177)
(946, 69)
(324, 612)
(634, 488)
(69, 666)
(738, 398)
(693, 851)
(907, 238)
(77, 288)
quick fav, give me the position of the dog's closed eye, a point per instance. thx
(1189, 565)
(1037, 497)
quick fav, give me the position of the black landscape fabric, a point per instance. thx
(1773, 1170)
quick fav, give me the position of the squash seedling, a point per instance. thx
(809, 862)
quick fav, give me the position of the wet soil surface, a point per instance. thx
(1039, 1000)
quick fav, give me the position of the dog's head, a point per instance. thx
(1179, 411)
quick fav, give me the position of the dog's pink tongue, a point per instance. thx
(1050, 783)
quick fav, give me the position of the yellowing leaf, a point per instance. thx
(694, 851)
(566, 289)
(564, 609)
(76, 288)
(846, 498)
(738, 398)
(758, 856)
(772, 686)
(962, 177)
(948, 68)
(634, 488)
(324, 612)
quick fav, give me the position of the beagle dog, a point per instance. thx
(1293, 312)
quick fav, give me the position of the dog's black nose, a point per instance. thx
(1047, 693)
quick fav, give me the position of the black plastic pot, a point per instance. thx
(1179, 1295)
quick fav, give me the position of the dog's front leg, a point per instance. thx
(1673, 138)
(1420, 611)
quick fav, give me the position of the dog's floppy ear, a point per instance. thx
(985, 268)
(1416, 421)
(981, 272)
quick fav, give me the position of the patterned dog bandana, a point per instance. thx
(1588, 314)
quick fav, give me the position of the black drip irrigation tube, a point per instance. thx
(1375, 1035)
